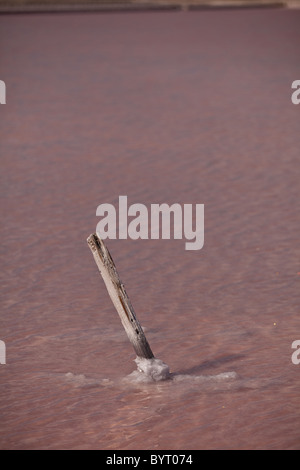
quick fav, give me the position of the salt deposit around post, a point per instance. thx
(155, 370)
(150, 370)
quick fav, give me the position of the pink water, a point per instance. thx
(161, 107)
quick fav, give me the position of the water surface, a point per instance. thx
(161, 107)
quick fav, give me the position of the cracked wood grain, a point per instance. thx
(119, 297)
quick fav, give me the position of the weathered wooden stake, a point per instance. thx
(119, 297)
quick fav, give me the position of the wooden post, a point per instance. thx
(119, 297)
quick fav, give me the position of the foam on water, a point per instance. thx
(81, 381)
(149, 370)
(205, 378)
(155, 370)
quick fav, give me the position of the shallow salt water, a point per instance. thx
(189, 107)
